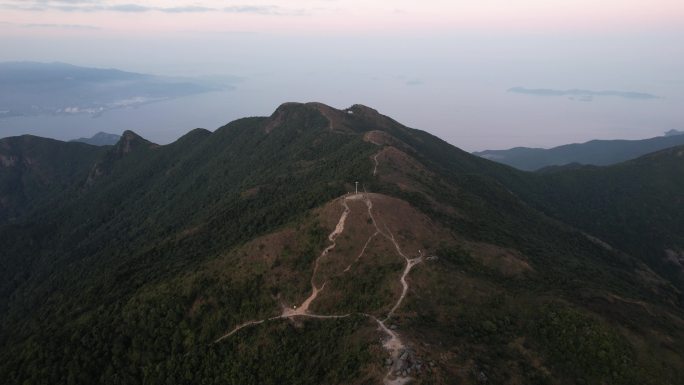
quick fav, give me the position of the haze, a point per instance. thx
(442, 66)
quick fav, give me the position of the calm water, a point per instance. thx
(474, 116)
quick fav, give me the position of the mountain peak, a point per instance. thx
(356, 119)
(129, 135)
(128, 143)
(100, 139)
(306, 115)
(290, 107)
(360, 108)
(131, 141)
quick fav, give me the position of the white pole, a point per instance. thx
(357, 187)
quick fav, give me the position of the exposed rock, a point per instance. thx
(675, 256)
(8, 161)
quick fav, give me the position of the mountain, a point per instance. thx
(674, 132)
(595, 152)
(637, 205)
(100, 139)
(245, 256)
(37, 171)
(30, 89)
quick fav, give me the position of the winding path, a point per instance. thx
(303, 309)
(393, 343)
(339, 228)
(363, 251)
(375, 169)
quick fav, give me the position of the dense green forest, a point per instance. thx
(124, 264)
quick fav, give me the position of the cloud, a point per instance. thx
(62, 26)
(583, 95)
(62, 1)
(260, 9)
(104, 6)
(187, 9)
(52, 26)
(133, 8)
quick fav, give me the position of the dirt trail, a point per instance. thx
(303, 309)
(409, 265)
(375, 169)
(241, 326)
(282, 316)
(394, 346)
(393, 343)
(409, 262)
(339, 228)
(363, 251)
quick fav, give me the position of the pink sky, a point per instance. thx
(454, 58)
(348, 16)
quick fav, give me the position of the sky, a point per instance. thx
(483, 74)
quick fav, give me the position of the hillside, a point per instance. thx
(245, 256)
(595, 152)
(36, 171)
(636, 205)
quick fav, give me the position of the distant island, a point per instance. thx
(100, 139)
(32, 89)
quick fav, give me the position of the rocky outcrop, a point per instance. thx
(129, 143)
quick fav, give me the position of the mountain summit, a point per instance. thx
(337, 246)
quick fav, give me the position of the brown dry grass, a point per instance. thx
(382, 138)
(507, 262)
(272, 256)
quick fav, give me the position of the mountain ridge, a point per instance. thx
(594, 152)
(143, 273)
